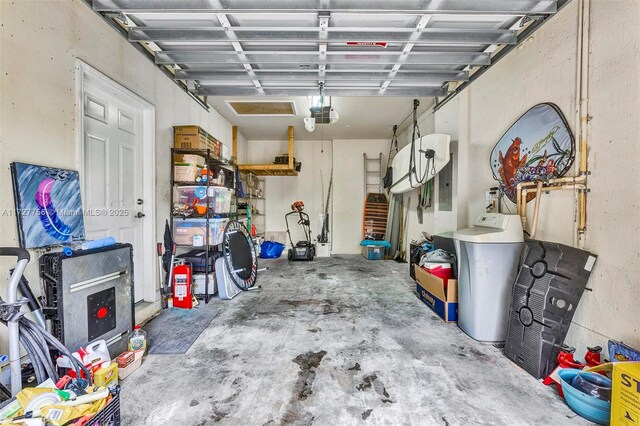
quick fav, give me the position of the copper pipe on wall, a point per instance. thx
(536, 210)
(579, 182)
(564, 183)
(584, 33)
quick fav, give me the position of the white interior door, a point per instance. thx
(113, 173)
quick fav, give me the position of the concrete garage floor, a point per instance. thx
(336, 341)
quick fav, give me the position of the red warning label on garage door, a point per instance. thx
(367, 43)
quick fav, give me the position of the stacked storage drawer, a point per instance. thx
(197, 197)
(192, 232)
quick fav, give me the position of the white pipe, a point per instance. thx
(521, 207)
(582, 111)
(576, 125)
(14, 329)
(522, 186)
(578, 88)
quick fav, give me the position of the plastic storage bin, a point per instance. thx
(198, 284)
(185, 230)
(219, 198)
(373, 252)
(271, 250)
(108, 416)
(192, 196)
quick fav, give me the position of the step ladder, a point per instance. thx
(372, 174)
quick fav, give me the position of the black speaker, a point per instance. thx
(548, 288)
(89, 296)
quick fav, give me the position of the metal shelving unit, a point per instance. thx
(255, 202)
(213, 164)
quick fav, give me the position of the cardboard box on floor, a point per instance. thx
(432, 293)
(625, 394)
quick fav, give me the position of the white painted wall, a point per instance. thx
(347, 198)
(282, 191)
(434, 221)
(242, 148)
(544, 70)
(348, 201)
(614, 201)
(39, 44)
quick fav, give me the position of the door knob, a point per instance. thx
(140, 201)
(140, 215)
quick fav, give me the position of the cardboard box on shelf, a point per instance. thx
(218, 149)
(191, 159)
(225, 153)
(441, 298)
(195, 137)
(187, 167)
(625, 394)
(184, 172)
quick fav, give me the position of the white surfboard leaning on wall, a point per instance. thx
(405, 180)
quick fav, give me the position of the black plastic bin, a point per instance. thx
(109, 415)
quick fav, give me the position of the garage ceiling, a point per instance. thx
(340, 47)
(360, 118)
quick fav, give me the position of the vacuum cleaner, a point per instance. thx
(302, 250)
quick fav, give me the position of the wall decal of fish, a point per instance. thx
(539, 145)
(510, 163)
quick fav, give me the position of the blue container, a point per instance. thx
(373, 252)
(271, 250)
(587, 406)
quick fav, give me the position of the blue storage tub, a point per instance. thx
(590, 408)
(372, 252)
(271, 250)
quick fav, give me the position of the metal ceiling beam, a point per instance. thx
(420, 26)
(323, 27)
(147, 54)
(224, 22)
(522, 36)
(416, 58)
(331, 84)
(427, 36)
(424, 77)
(311, 91)
(515, 7)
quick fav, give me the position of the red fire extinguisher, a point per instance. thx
(182, 279)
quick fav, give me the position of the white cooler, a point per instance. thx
(488, 258)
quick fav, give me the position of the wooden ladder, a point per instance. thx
(372, 173)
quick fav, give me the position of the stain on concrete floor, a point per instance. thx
(351, 345)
